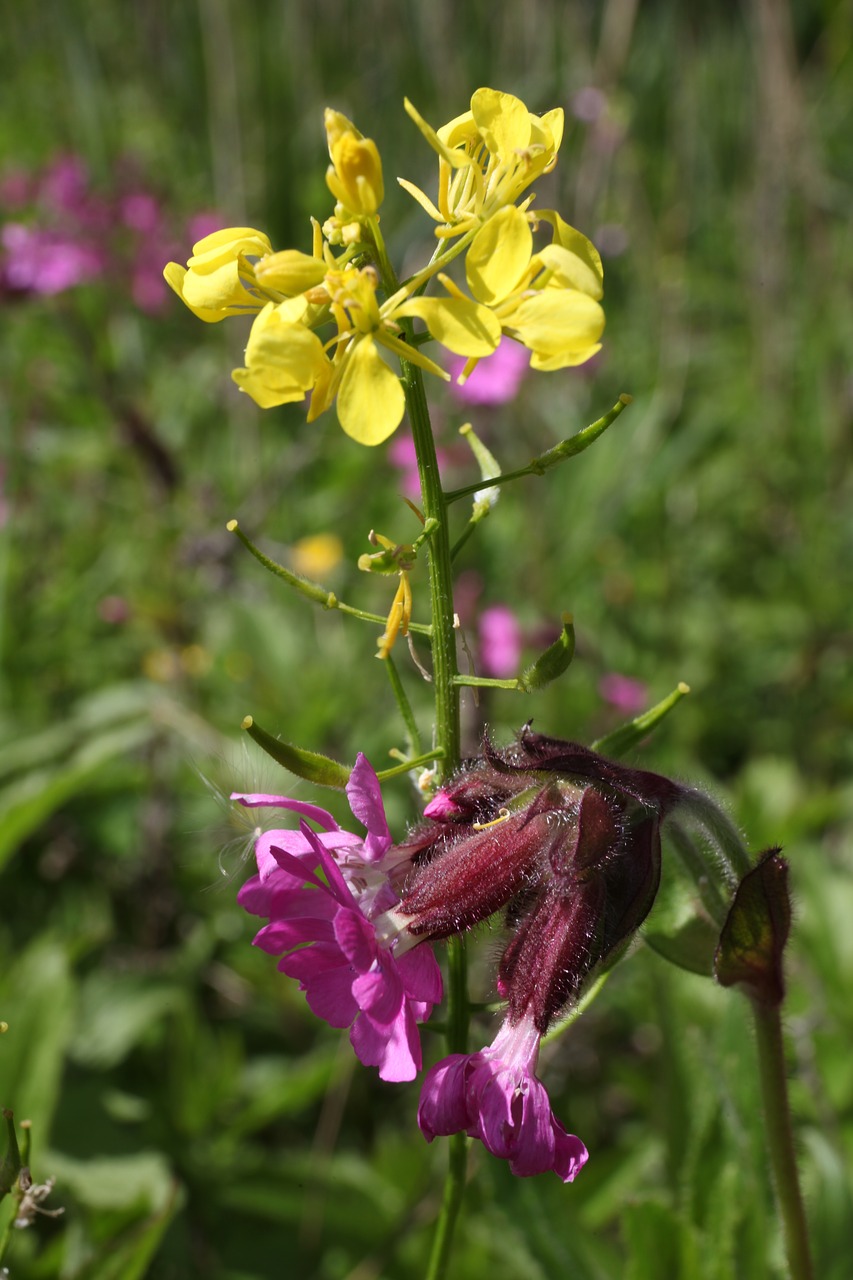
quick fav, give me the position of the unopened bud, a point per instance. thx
(554, 661)
(753, 939)
(310, 765)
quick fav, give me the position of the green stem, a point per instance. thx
(780, 1138)
(538, 466)
(458, 1013)
(488, 682)
(314, 590)
(404, 707)
(447, 735)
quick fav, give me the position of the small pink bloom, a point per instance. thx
(331, 933)
(496, 379)
(495, 1095)
(626, 695)
(500, 642)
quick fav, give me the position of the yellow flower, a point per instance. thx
(219, 280)
(285, 359)
(486, 158)
(547, 300)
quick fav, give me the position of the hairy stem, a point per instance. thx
(780, 1138)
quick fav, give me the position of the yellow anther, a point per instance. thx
(495, 822)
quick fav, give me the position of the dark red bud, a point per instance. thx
(478, 874)
(535, 751)
(555, 948)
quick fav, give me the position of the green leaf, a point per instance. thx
(678, 928)
(37, 997)
(115, 1012)
(660, 1243)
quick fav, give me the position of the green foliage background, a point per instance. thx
(199, 1122)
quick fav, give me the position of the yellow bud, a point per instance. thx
(355, 174)
(290, 272)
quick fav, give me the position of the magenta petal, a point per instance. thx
(515, 1120)
(365, 800)
(421, 975)
(258, 800)
(380, 994)
(281, 935)
(443, 1109)
(394, 1049)
(301, 904)
(356, 938)
(570, 1154)
(329, 995)
(308, 961)
(253, 897)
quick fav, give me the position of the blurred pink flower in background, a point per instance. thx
(401, 454)
(44, 262)
(500, 642)
(66, 232)
(496, 379)
(626, 695)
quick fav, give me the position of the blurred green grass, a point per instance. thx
(192, 1110)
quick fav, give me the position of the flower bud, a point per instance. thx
(355, 174)
(478, 873)
(753, 939)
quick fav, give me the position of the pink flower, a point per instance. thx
(496, 379)
(495, 1095)
(500, 642)
(356, 970)
(623, 693)
(45, 262)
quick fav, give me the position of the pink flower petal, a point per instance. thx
(365, 800)
(259, 800)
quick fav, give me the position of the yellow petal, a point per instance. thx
(337, 124)
(223, 246)
(175, 276)
(503, 121)
(287, 351)
(566, 359)
(554, 122)
(569, 271)
(499, 255)
(560, 326)
(370, 399)
(462, 326)
(576, 243)
(254, 383)
(218, 290)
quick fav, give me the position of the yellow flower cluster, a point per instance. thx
(546, 299)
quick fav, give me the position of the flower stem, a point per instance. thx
(780, 1138)
(458, 1012)
(447, 736)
